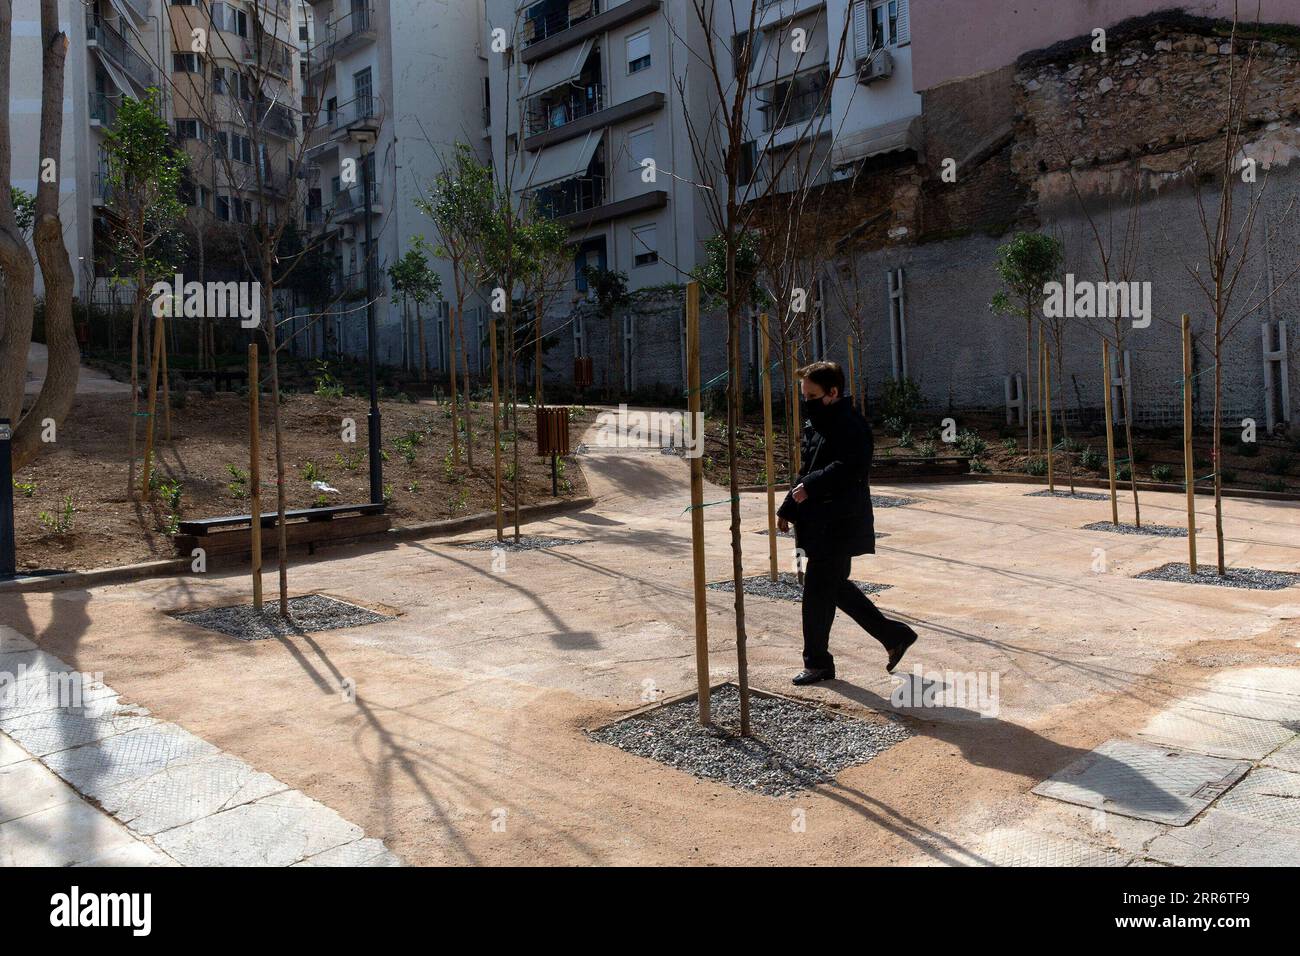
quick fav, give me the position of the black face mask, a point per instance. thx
(813, 409)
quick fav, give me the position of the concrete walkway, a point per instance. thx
(463, 740)
(90, 381)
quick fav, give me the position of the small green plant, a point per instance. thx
(459, 502)
(406, 446)
(1123, 472)
(1092, 459)
(350, 461)
(970, 444)
(926, 449)
(978, 467)
(25, 488)
(388, 494)
(239, 482)
(327, 386)
(311, 472)
(58, 522)
(905, 439)
(414, 487)
(1162, 473)
(509, 474)
(901, 399)
(320, 501)
(1010, 446)
(1036, 467)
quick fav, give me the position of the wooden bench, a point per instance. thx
(917, 466)
(232, 534)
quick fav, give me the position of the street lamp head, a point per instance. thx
(364, 136)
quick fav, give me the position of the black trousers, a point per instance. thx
(826, 586)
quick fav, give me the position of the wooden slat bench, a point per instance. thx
(916, 466)
(232, 534)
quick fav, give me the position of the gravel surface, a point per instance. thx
(311, 612)
(793, 747)
(785, 588)
(527, 542)
(1078, 495)
(1155, 530)
(1254, 579)
(790, 534)
(891, 501)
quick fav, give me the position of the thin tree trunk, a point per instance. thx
(424, 350)
(469, 419)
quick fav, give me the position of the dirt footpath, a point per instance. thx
(470, 705)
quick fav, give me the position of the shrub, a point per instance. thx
(1279, 464)
(926, 449)
(1123, 472)
(900, 399)
(1010, 446)
(1092, 459)
(239, 485)
(1162, 473)
(26, 488)
(311, 472)
(1036, 467)
(978, 467)
(970, 444)
(905, 439)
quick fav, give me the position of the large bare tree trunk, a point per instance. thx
(60, 386)
(15, 259)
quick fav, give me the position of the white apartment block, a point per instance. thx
(410, 75)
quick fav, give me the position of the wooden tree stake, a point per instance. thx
(1110, 432)
(255, 474)
(1189, 464)
(769, 465)
(697, 497)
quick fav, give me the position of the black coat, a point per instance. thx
(835, 519)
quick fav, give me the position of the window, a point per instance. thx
(187, 63)
(739, 42)
(361, 89)
(219, 81)
(748, 162)
(229, 20)
(302, 32)
(638, 51)
(880, 23)
(239, 148)
(223, 208)
(640, 147)
(645, 248)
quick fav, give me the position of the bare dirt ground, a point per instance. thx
(465, 745)
(89, 461)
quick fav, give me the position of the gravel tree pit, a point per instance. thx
(308, 613)
(1155, 530)
(785, 588)
(892, 501)
(1254, 579)
(790, 534)
(527, 542)
(1078, 495)
(794, 745)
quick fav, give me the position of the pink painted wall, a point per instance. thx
(952, 39)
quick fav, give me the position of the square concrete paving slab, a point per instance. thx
(98, 767)
(1286, 757)
(1225, 839)
(1267, 796)
(275, 831)
(11, 641)
(1244, 714)
(10, 752)
(51, 731)
(367, 852)
(1013, 846)
(69, 833)
(1144, 781)
(186, 790)
(27, 787)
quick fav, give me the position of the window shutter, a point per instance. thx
(904, 24)
(862, 28)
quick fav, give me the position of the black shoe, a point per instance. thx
(813, 675)
(898, 650)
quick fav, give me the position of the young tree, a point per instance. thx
(550, 264)
(144, 174)
(416, 282)
(1025, 264)
(1228, 235)
(610, 290)
(459, 204)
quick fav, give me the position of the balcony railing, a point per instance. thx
(103, 108)
(350, 201)
(571, 196)
(276, 118)
(553, 114)
(554, 17)
(113, 43)
(795, 108)
(354, 111)
(274, 56)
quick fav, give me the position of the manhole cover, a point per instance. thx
(311, 612)
(1144, 781)
(793, 745)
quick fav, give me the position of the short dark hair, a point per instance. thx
(826, 374)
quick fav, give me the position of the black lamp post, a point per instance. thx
(366, 137)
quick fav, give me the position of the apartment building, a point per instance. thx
(393, 87)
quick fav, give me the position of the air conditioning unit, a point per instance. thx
(876, 66)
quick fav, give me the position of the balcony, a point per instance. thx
(273, 57)
(276, 119)
(332, 125)
(572, 196)
(344, 35)
(547, 113)
(100, 35)
(103, 109)
(350, 203)
(585, 120)
(549, 17)
(550, 26)
(792, 104)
